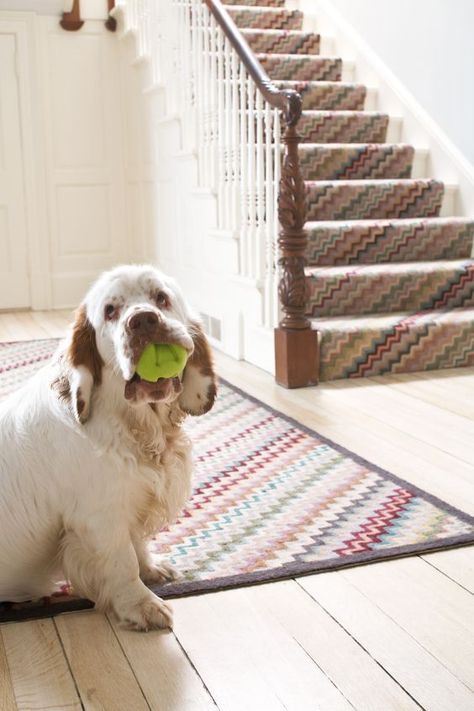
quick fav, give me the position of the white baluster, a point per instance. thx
(276, 188)
(220, 134)
(212, 98)
(200, 66)
(243, 157)
(234, 212)
(228, 212)
(251, 188)
(269, 222)
(259, 246)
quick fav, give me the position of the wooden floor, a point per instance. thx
(396, 635)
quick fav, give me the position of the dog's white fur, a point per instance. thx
(86, 475)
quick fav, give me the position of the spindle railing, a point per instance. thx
(231, 114)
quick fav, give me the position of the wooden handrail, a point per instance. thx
(296, 344)
(287, 101)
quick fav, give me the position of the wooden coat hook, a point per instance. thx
(71, 21)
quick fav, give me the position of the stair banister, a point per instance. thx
(296, 344)
(230, 117)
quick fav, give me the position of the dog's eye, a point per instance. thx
(110, 312)
(161, 300)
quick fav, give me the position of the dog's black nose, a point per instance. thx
(143, 322)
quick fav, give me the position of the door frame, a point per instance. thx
(22, 25)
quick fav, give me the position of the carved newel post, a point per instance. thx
(296, 344)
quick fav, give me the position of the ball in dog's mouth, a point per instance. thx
(139, 389)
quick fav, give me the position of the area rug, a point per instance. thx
(272, 500)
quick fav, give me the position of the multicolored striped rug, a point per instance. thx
(272, 500)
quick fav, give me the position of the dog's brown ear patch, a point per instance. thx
(199, 379)
(83, 367)
(83, 347)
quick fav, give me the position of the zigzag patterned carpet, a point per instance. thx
(365, 207)
(271, 500)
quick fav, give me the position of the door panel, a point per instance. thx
(14, 281)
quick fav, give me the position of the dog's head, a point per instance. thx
(124, 311)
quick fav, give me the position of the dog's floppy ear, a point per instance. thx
(199, 378)
(84, 365)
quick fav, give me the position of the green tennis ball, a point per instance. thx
(160, 360)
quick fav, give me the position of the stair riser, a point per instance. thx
(267, 20)
(412, 346)
(394, 291)
(282, 42)
(339, 127)
(359, 201)
(375, 244)
(300, 68)
(329, 96)
(358, 162)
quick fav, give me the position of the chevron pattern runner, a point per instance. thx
(335, 161)
(271, 499)
(358, 346)
(301, 67)
(363, 199)
(391, 282)
(370, 242)
(282, 41)
(343, 127)
(266, 18)
(379, 288)
(328, 95)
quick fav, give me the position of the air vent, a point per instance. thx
(212, 326)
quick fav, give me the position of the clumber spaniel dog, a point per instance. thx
(93, 459)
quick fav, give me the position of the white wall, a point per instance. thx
(428, 45)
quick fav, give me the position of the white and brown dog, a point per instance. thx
(93, 460)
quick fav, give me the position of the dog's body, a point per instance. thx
(93, 461)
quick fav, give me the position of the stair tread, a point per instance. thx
(330, 113)
(364, 322)
(259, 8)
(268, 32)
(343, 224)
(375, 270)
(381, 181)
(256, 3)
(352, 146)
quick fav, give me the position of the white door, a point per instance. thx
(14, 282)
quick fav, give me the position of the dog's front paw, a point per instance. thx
(151, 613)
(158, 573)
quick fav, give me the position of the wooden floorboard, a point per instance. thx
(387, 636)
(39, 672)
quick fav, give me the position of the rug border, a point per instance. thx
(286, 571)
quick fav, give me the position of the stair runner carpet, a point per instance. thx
(271, 500)
(391, 282)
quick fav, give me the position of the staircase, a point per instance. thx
(391, 283)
